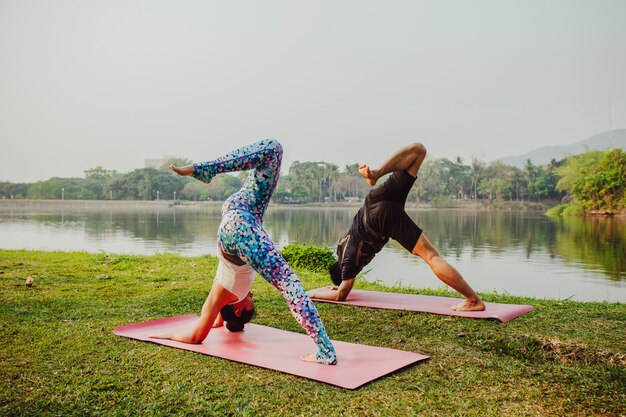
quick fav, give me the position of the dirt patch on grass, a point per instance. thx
(552, 349)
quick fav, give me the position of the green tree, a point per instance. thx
(349, 184)
(530, 174)
(96, 180)
(99, 174)
(454, 177)
(195, 191)
(546, 179)
(223, 186)
(282, 193)
(496, 183)
(11, 190)
(603, 186)
(314, 180)
(219, 189)
(428, 184)
(575, 167)
(519, 185)
(146, 184)
(328, 175)
(476, 170)
(60, 188)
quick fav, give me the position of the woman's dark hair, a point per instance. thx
(335, 273)
(234, 323)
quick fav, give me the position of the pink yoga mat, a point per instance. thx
(280, 350)
(430, 304)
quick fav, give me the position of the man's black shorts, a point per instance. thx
(384, 210)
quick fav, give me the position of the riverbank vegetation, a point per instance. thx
(590, 182)
(595, 183)
(60, 357)
(440, 181)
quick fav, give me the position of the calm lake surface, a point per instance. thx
(520, 253)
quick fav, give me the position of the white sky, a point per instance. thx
(86, 83)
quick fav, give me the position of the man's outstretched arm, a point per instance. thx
(407, 159)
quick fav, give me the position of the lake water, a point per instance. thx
(520, 253)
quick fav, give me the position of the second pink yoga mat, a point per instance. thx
(430, 304)
(280, 350)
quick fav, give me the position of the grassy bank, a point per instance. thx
(576, 209)
(60, 357)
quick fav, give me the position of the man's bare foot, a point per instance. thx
(369, 175)
(468, 305)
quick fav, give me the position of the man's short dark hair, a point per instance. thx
(335, 273)
(234, 323)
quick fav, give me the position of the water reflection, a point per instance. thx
(595, 242)
(506, 251)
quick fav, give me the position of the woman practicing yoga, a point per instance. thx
(244, 247)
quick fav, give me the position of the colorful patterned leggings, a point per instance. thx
(241, 232)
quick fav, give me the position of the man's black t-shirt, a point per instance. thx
(381, 217)
(358, 247)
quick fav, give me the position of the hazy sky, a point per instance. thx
(111, 83)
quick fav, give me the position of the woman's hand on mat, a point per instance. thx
(325, 360)
(309, 357)
(219, 321)
(178, 337)
(161, 336)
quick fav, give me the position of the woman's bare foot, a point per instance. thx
(369, 175)
(468, 305)
(184, 171)
(173, 168)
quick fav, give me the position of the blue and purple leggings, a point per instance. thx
(241, 232)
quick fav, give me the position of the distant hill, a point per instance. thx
(542, 156)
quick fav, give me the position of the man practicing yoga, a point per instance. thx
(381, 217)
(244, 247)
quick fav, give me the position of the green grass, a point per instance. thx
(60, 357)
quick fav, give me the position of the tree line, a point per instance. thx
(590, 181)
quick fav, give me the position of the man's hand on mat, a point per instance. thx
(313, 293)
(468, 305)
(318, 292)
